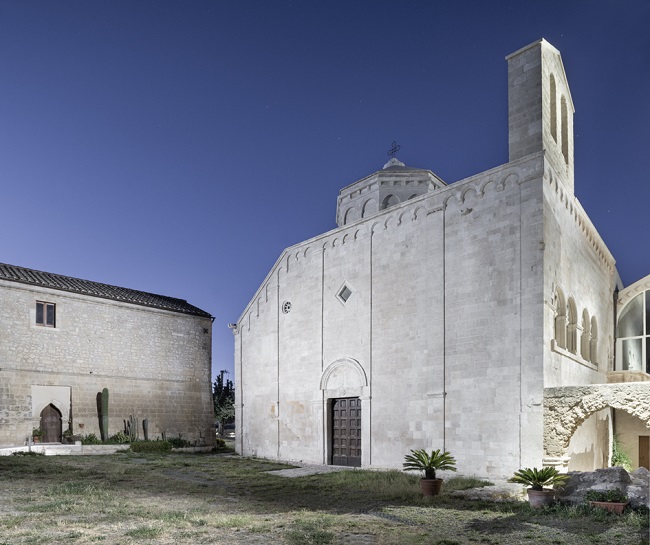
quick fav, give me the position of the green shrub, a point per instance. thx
(119, 438)
(90, 439)
(151, 446)
(615, 496)
(178, 442)
(620, 457)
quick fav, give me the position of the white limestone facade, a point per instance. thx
(446, 310)
(154, 357)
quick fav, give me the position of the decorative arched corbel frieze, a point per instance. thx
(452, 200)
(419, 210)
(511, 178)
(406, 213)
(469, 193)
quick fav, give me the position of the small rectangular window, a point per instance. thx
(45, 314)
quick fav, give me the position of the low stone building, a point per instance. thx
(449, 315)
(63, 340)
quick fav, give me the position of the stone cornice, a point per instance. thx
(579, 216)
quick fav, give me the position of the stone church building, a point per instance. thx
(483, 317)
(63, 340)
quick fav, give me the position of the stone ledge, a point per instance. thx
(574, 357)
(57, 449)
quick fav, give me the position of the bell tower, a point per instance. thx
(540, 108)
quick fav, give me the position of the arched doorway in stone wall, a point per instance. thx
(588, 447)
(51, 426)
(566, 408)
(633, 437)
(346, 413)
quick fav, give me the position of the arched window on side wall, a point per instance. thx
(593, 341)
(560, 322)
(585, 337)
(553, 103)
(572, 327)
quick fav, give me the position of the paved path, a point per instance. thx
(308, 469)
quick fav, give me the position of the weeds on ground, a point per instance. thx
(311, 529)
(186, 498)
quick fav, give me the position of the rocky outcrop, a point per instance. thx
(634, 485)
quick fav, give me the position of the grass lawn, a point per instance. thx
(181, 498)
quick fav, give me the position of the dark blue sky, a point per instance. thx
(179, 147)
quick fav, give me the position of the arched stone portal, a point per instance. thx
(346, 413)
(567, 407)
(345, 373)
(51, 424)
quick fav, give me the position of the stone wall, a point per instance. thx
(443, 320)
(566, 408)
(155, 363)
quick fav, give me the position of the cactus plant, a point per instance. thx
(131, 428)
(145, 428)
(104, 415)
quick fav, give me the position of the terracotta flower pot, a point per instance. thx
(430, 487)
(540, 498)
(611, 506)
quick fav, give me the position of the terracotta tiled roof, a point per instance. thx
(96, 289)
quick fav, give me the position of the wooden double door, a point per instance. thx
(345, 432)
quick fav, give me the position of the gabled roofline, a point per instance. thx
(32, 277)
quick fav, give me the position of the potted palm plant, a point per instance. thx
(536, 480)
(421, 460)
(36, 435)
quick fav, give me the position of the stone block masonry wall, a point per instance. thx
(155, 363)
(579, 264)
(493, 279)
